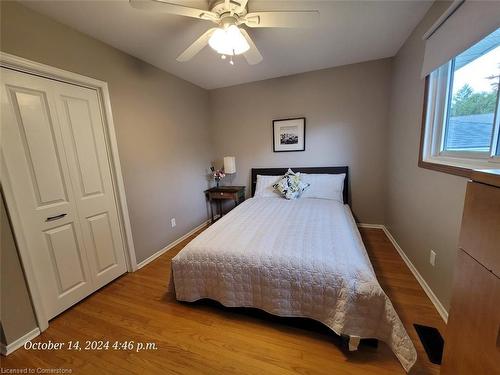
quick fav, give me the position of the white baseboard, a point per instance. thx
(171, 245)
(427, 289)
(7, 349)
(374, 226)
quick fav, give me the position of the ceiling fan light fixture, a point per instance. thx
(229, 41)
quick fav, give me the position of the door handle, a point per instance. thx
(57, 217)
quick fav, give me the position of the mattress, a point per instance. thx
(298, 258)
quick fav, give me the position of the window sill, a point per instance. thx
(445, 168)
(466, 169)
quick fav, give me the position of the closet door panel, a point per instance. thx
(102, 236)
(38, 141)
(34, 160)
(85, 141)
(66, 257)
(78, 119)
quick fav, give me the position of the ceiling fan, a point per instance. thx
(229, 38)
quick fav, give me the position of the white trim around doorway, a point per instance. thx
(27, 66)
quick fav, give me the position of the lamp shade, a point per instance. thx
(229, 41)
(229, 164)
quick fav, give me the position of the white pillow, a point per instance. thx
(324, 186)
(264, 187)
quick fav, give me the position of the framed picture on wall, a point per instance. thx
(289, 134)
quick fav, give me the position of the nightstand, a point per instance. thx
(221, 193)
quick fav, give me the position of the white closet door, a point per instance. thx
(35, 161)
(84, 140)
(54, 151)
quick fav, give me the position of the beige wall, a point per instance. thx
(424, 208)
(346, 112)
(161, 123)
(166, 130)
(162, 131)
(17, 317)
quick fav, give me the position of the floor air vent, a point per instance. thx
(432, 341)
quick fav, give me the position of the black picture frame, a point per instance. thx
(289, 147)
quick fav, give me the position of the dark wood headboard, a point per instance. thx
(317, 170)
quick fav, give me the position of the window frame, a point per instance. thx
(434, 120)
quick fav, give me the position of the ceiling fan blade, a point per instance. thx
(196, 47)
(291, 18)
(242, 5)
(171, 8)
(253, 55)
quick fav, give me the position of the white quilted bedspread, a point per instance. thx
(300, 258)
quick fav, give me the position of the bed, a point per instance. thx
(293, 258)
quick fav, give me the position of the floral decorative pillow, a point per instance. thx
(290, 186)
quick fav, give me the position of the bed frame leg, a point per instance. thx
(351, 343)
(354, 343)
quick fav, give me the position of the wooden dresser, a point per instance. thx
(472, 344)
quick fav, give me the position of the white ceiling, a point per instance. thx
(349, 32)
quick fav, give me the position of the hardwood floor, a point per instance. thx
(205, 338)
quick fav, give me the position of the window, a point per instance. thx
(462, 114)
